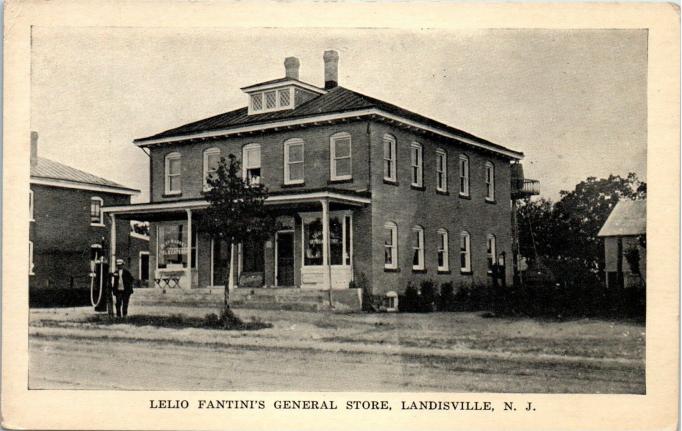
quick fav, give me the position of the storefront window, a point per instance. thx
(172, 246)
(339, 241)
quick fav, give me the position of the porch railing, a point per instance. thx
(523, 187)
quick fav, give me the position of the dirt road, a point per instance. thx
(84, 358)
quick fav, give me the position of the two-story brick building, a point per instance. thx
(66, 221)
(361, 186)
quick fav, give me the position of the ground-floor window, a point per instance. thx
(30, 258)
(490, 249)
(418, 247)
(465, 252)
(443, 264)
(171, 244)
(390, 245)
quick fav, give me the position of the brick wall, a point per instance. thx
(62, 235)
(408, 207)
(316, 165)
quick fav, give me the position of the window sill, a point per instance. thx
(391, 269)
(467, 197)
(31, 273)
(171, 195)
(390, 182)
(97, 224)
(32, 220)
(444, 271)
(292, 185)
(467, 272)
(442, 192)
(340, 180)
(490, 201)
(419, 270)
(420, 188)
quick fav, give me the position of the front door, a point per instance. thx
(285, 258)
(221, 262)
(144, 268)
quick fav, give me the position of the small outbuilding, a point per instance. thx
(624, 236)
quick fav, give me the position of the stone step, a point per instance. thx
(264, 298)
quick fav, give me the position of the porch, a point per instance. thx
(312, 250)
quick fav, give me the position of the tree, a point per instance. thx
(564, 234)
(236, 214)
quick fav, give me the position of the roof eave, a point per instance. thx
(145, 142)
(58, 182)
(267, 86)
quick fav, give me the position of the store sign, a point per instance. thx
(173, 247)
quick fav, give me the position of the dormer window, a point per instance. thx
(280, 94)
(271, 100)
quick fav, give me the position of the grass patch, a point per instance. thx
(179, 321)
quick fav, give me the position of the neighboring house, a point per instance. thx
(624, 236)
(66, 220)
(361, 187)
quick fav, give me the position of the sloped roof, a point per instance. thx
(627, 218)
(51, 170)
(336, 100)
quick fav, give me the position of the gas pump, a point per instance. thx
(99, 270)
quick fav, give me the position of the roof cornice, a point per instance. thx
(331, 117)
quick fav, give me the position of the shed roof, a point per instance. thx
(627, 218)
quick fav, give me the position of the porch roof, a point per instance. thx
(153, 211)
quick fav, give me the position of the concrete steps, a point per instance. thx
(294, 299)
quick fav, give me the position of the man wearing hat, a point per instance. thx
(122, 287)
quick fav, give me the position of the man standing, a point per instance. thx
(122, 287)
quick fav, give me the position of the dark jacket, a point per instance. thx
(127, 281)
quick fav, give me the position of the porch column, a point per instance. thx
(112, 243)
(325, 245)
(189, 248)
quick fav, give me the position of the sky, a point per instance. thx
(574, 101)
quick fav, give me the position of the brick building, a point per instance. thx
(362, 187)
(66, 221)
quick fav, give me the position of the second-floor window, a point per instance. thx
(441, 171)
(417, 164)
(251, 168)
(294, 161)
(489, 181)
(340, 160)
(96, 218)
(463, 175)
(173, 174)
(389, 158)
(211, 162)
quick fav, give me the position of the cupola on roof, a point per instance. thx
(283, 93)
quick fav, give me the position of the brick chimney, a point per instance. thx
(291, 66)
(34, 149)
(331, 69)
